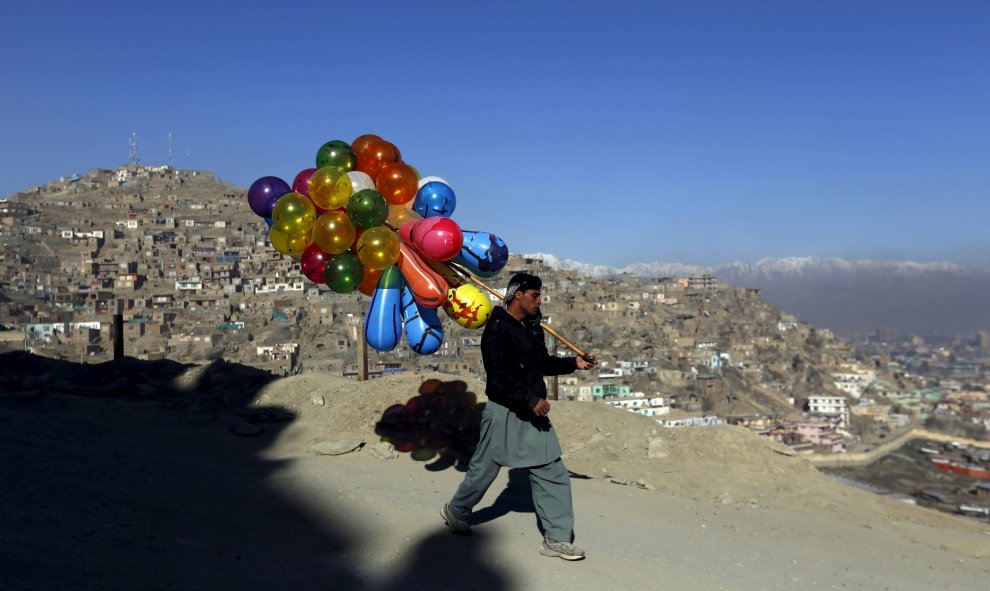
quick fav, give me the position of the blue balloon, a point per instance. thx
(383, 323)
(435, 199)
(424, 332)
(269, 221)
(483, 253)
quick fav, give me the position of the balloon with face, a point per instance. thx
(334, 232)
(343, 272)
(336, 153)
(378, 248)
(313, 262)
(293, 213)
(375, 155)
(435, 198)
(361, 142)
(330, 188)
(397, 182)
(263, 194)
(301, 183)
(292, 245)
(383, 322)
(367, 209)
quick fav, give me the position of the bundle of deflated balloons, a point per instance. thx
(364, 220)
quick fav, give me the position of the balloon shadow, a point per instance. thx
(442, 423)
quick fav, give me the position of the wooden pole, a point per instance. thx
(362, 364)
(495, 293)
(464, 274)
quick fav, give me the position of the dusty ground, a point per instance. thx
(131, 476)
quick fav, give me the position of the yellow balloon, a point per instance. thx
(330, 187)
(468, 306)
(378, 248)
(400, 214)
(289, 244)
(293, 214)
(333, 232)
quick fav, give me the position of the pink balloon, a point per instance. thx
(301, 183)
(438, 238)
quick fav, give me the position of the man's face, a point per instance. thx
(529, 301)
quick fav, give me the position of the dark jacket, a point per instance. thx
(516, 359)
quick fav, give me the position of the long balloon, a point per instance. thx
(427, 286)
(482, 253)
(424, 332)
(383, 323)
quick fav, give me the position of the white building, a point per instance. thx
(831, 406)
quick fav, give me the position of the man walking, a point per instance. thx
(515, 429)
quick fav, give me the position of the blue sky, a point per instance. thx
(608, 132)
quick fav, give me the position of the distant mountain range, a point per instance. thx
(848, 296)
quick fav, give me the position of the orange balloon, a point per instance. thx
(397, 182)
(370, 281)
(375, 155)
(428, 287)
(358, 145)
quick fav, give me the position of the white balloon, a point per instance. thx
(360, 180)
(430, 179)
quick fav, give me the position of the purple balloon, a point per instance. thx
(263, 194)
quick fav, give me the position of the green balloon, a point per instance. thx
(367, 209)
(336, 153)
(343, 272)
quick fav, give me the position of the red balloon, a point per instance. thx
(312, 262)
(397, 182)
(375, 155)
(437, 238)
(428, 287)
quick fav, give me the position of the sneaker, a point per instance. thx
(457, 526)
(561, 550)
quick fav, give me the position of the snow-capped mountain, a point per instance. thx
(790, 266)
(849, 296)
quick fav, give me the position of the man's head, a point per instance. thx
(522, 297)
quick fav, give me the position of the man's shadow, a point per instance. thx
(516, 497)
(138, 474)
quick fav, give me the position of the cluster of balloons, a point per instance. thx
(363, 219)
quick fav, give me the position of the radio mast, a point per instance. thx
(133, 156)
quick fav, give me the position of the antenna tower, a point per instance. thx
(170, 149)
(133, 159)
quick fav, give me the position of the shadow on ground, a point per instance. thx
(441, 425)
(147, 475)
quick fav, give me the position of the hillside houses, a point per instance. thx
(187, 266)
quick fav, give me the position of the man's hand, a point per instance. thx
(542, 408)
(588, 363)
